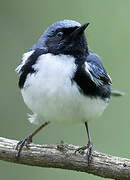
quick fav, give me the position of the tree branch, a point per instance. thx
(63, 156)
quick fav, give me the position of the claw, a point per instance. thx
(28, 140)
(82, 148)
(21, 144)
(89, 153)
(89, 148)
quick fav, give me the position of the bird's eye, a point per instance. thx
(59, 34)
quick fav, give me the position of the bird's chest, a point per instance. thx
(51, 94)
(52, 76)
(49, 90)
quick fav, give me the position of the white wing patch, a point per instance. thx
(98, 82)
(23, 62)
(33, 118)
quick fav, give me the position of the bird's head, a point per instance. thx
(64, 37)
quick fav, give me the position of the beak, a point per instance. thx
(80, 29)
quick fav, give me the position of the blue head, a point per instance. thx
(64, 37)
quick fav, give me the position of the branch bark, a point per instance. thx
(63, 156)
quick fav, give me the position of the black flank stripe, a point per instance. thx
(27, 68)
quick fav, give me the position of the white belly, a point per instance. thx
(51, 96)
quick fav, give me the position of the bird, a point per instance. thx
(62, 81)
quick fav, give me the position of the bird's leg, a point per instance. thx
(26, 141)
(88, 146)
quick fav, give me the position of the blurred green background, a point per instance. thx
(21, 24)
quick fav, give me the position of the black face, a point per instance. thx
(67, 41)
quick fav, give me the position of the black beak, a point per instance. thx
(80, 29)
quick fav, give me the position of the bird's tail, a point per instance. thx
(116, 93)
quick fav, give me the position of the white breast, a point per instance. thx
(51, 95)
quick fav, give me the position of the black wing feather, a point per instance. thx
(97, 70)
(91, 77)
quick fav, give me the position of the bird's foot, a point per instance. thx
(24, 142)
(89, 148)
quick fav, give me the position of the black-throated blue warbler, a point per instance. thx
(62, 81)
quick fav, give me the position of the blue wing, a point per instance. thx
(96, 71)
